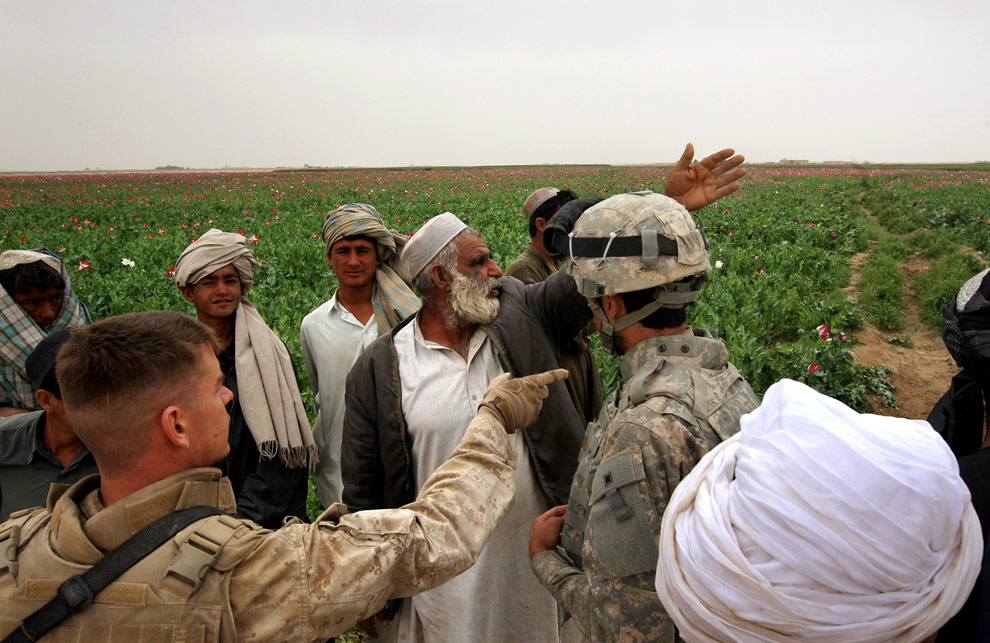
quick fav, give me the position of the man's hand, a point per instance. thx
(516, 403)
(695, 186)
(545, 532)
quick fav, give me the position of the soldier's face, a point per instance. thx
(209, 401)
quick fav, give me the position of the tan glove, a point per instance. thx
(516, 402)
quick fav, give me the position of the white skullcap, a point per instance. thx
(429, 241)
(816, 523)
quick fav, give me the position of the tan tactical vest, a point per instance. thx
(720, 398)
(179, 592)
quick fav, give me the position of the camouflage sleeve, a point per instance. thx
(310, 582)
(644, 456)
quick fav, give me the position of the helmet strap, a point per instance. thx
(609, 329)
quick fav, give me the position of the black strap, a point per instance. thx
(621, 246)
(78, 591)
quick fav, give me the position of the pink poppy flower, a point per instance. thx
(161, 230)
(822, 330)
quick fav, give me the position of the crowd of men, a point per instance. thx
(476, 485)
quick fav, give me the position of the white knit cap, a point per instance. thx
(817, 523)
(429, 241)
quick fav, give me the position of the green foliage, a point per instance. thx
(784, 241)
(937, 288)
(881, 295)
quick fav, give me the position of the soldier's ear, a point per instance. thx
(613, 306)
(173, 425)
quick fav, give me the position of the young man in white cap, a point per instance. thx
(816, 523)
(412, 392)
(270, 437)
(371, 298)
(36, 300)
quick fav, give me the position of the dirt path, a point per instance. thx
(922, 368)
(921, 364)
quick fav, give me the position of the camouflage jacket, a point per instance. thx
(681, 397)
(300, 583)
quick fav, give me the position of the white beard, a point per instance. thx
(469, 301)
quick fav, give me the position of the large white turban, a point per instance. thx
(816, 523)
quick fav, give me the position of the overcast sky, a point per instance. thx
(140, 84)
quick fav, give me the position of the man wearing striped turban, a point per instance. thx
(816, 523)
(372, 296)
(36, 300)
(270, 438)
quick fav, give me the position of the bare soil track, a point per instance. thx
(922, 368)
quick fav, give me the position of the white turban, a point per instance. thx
(816, 523)
(429, 240)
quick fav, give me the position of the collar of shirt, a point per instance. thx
(477, 340)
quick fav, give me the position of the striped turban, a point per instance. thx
(20, 334)
(391, 298)
(816, 523)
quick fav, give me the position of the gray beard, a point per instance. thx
(470, 304)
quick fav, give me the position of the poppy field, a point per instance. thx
(780, 247)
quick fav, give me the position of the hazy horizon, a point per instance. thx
(112, 85)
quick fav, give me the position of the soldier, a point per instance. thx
(640, 260)
(146, 393)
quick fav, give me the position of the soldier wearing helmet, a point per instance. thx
(640, 260)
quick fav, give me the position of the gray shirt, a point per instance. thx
(28, 468)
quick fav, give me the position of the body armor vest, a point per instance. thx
(710, 399)
(179, 592)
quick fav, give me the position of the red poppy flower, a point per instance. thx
(253, 239)
(171, 273)
(822, 330)
(83, 265)
(813, 368)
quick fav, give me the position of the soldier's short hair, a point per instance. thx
(658, 319)
(36, 275)
(113, 373)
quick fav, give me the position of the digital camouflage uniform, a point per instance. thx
(582, 382)
(300, 583)
(681, 398)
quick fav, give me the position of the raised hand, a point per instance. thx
(695, 186)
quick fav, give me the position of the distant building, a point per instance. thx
(793, 162)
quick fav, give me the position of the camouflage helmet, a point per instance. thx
(633, 242)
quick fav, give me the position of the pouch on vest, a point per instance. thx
(619, 531)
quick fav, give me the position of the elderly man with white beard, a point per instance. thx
(412, 392)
